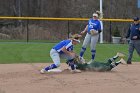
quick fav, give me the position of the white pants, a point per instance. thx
(90, 39)
(56, 57)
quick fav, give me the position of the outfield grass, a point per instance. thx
(39, 52)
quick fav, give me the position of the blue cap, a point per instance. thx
(136, 19)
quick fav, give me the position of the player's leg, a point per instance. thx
(110, 60)
(130, 52)
(137, 46)
(56, 59)
(70, 62)
(94, 40)
(67, 57)
(114, 64)
(85, 43)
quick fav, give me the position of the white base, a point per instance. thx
(55, 70)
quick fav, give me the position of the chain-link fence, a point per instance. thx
(53, 30)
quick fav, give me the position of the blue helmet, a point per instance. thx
(136, 19)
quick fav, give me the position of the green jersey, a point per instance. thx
(94, 66)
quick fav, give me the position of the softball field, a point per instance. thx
(25, 78)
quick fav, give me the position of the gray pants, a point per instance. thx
(90, 39)
(133, 44)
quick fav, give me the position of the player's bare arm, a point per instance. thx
(85, 30)
(71, 53)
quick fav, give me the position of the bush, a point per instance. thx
(116, 32)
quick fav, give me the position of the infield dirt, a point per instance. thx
(25, 78)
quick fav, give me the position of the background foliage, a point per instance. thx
(42, 29)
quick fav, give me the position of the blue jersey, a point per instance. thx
(133, 31)
(94, 24)
(65, 43)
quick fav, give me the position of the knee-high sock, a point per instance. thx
(69, 61)
(52, 66)
(82, 51)
(71, 64)
(93, 54)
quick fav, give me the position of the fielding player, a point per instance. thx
(93, 29)
(63, 49)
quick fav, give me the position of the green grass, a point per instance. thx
(39, 52)
(105, 51)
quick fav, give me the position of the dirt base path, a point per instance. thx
(25, 78)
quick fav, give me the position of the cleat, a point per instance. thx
(57, 70)
(121, 55)
(76, 71)
(43, 71)
(122, 61)
(128, 62)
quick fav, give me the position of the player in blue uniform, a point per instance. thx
(63, 49)
(93, 29)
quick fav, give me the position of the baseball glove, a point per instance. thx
(78, 59)
(93, 32)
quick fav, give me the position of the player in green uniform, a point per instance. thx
(100, 66)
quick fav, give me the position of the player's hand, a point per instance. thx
(124, 39)
(82, 32)
(135, 37)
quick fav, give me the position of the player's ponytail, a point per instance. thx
(99, 14)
